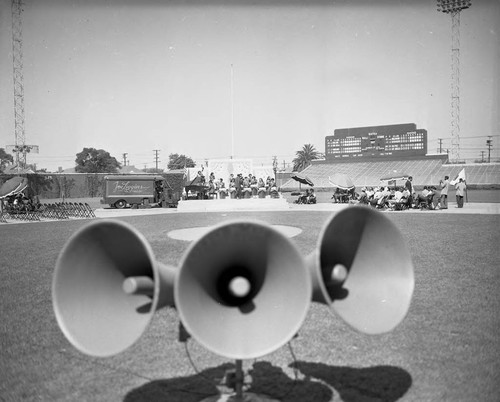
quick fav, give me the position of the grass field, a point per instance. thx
(446, 349)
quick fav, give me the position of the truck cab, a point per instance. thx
(121, 191)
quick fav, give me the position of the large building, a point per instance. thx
(397, 141)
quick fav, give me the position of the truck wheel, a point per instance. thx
(120, 204)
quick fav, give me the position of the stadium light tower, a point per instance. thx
(454, 7)
(19, 148)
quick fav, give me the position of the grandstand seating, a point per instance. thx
(424, 172)
(481, 173)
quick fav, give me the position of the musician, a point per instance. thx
(232, 185)
(221, 187)
(238, 184)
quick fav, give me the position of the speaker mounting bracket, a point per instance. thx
(234, 380)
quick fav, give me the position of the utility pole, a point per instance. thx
(125, 158)
(156, 151)
(454, 7)
(275, 167)
(489, 144)
(482, 156)
(440, 145)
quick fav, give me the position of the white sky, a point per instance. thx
(134, 76)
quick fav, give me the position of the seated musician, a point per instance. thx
(211, 189)
(337, 196)
(232, 183)
(273, 190)
(422, 198)
(221, 186)
(351, 194)
(253, 185)
(385, 195)
(361, 198)
(253, 181)
(303, 199)
(311, 199)
(377, 195)
(200, 178)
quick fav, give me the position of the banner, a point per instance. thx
(460, 175)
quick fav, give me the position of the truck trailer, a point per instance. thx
(121, 191)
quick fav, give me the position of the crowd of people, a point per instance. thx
(343, 195)
(239, 187)
(307, 198)
(381, 197)
(405, 197)
(19, 203)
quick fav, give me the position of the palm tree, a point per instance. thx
(304, 157)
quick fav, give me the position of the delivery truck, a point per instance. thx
(121, 191)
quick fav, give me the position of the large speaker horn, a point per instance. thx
(242, 290)
(362, 269)
(107, 286)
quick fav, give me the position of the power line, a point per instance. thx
(482, 136)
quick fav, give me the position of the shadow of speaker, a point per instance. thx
(266, 379)
(378, 383)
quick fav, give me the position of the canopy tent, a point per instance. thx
(13, 186)
(392, 179)
(342, 181)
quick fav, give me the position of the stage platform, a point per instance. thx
(228, 204)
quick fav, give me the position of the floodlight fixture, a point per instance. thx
(453, 6)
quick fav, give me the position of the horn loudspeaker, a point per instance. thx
(107, 286)
(242, 290)
(362, 270)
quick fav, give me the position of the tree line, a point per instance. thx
(92, 160)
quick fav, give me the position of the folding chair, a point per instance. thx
(90, 211)
(64, 210)
(49, 211)
(428, 203)
(12, 212)
(72, 210)
(61, 211)
(80, 210)
(31, 214)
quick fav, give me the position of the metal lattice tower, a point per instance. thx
(454, 7)
(17, 58)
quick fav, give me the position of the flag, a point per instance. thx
(460, 175)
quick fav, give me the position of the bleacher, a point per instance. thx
(424, 172)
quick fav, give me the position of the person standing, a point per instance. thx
(238, 183)
(460, 188)
(443, 199)
(409, 187)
